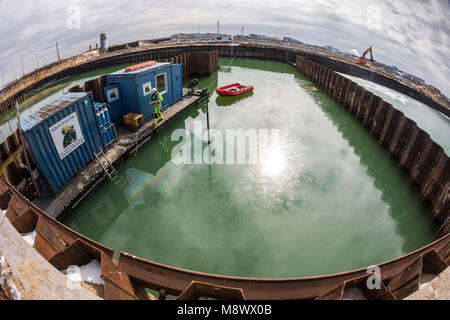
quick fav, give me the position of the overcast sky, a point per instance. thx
(413, 35)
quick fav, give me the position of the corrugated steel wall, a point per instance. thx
(96, 87)
(57, 171)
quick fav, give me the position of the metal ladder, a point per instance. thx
(109, 169)
(138, 144)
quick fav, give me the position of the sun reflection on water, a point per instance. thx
(273, 162)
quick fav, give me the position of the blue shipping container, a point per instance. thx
(63, 137)
(135, 88)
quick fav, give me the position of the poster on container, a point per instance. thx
(147, 88)
(67, 135)
(113, 94)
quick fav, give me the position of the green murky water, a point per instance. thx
(325, 198)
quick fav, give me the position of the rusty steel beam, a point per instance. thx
(158, 276)
(63, 232)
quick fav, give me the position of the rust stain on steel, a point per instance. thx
(432, 262)
(78, 253)
(408, 289)
(21, 216)
(47, 243)
(404, 277)
(118, 285)
(201, 289)
(445, 253)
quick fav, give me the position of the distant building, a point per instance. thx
(197, 35)
(393, 69)
(330, 48)
(116, 47)
(414, 78)
(292, 40)
(103, 43)
(158, 40)
(222, 38)
(259, 36)
(433, 89)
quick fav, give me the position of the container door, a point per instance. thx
(144, 86)
(169, 85)
(177, 82)
(114, 102)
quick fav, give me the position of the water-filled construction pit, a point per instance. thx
(349, 182)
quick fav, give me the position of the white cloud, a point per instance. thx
(413, 35)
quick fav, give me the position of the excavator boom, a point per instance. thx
(366, 52)
(362, 60)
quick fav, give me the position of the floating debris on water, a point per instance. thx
(310, 88)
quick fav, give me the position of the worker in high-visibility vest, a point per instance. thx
(156, 99)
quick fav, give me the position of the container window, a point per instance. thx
(161, 83)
